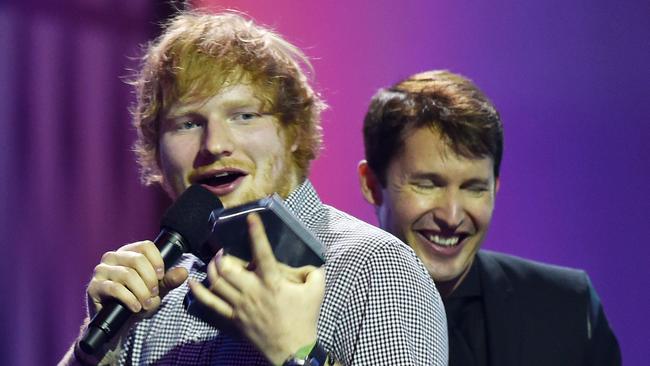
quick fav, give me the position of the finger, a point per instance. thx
(266, 265)
(152, 305)
(136, 261)
(220, 286)
(296, 275)
(109, 290)
(233, 261)
(236, 261)
(173, 278)
(314, 286)
(146, 248)
(209, 299)
(151, 252)
(316, 280)
(94, 297)
(127, 277)
(234, 271)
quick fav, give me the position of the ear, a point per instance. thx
(370, 186)
(497, 184)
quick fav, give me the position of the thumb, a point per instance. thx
(315, 281)
(296, 274)
(172, 279)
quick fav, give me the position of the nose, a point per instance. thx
(448, 212)
(218, 139)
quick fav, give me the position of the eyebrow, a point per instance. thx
(436, 177)
(232, 103)
(475, 182)
(238, 103)
(173, 117)
(426, 175)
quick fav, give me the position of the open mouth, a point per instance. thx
(221, 179)
(443, 240)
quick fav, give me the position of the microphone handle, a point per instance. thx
(113, 315)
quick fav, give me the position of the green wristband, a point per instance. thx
(304, 351)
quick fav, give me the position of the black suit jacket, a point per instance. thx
(539, 314)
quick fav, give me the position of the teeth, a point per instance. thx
(223, 174)
(448, 242)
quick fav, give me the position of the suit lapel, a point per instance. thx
(502, 313)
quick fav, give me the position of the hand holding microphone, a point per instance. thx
(133, 279)
(127, 280)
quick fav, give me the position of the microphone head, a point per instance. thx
(189, 216)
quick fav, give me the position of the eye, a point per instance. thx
(477, 189)
(246, 116)
(424, 184)
(183, 123)
(187, 125)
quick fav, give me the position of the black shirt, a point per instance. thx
(466, 322)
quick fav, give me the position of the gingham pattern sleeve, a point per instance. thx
(381, 306)
(389, 315)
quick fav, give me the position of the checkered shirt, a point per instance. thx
(380, 306)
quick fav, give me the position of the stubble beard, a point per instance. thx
(284, 181)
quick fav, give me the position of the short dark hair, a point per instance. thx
(443, 101)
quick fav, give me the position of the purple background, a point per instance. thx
(571, 80)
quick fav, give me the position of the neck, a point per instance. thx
(446, 288)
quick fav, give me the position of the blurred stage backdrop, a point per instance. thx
(571, 79)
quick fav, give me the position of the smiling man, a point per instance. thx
(225, 104)
(433, 146)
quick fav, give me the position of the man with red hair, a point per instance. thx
(224, 103)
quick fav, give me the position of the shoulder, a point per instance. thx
(378, 292)
(558, 303)
(536, 280)
(367, 267)
(351, 241)
(531, 270)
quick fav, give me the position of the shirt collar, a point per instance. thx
(304, 203)
(471, 285)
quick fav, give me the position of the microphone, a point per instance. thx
(184, 227)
